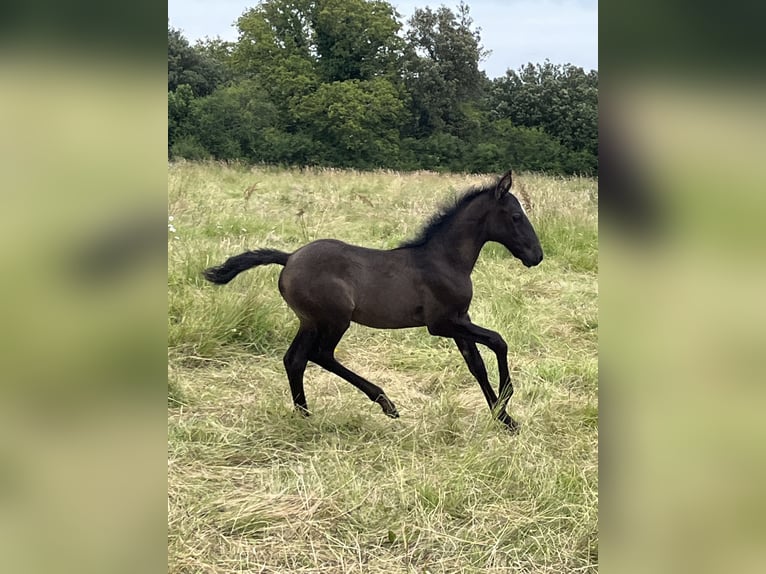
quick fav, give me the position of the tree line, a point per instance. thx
(346, 83)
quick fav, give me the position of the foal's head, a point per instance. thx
(507, 224)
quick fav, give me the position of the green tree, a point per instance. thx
(442, 69)
(191, 66)
(439, 151)
(356, 40)
(230, 123)
(193, 72)
(355, 121)
(561, 100)
(276, 46)
(218, 52)
(179, 115)
(330, 67)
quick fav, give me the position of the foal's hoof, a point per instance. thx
(388, 407)
(303, 411)
(510, 425)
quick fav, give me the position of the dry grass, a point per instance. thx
(254, 488)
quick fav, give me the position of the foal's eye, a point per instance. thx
(516, 216)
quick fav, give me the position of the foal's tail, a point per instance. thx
(233, 266)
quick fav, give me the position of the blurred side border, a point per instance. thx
(682, 316)
(83, 158)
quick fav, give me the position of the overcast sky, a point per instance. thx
(516, 31)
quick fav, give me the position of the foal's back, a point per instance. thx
(331, 280)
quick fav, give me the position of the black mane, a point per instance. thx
(444, 215)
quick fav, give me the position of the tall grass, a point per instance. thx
(254, 488)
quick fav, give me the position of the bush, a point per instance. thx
(188, 147)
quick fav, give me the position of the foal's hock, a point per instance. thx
(425, 282)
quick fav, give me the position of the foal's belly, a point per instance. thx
(385, 317)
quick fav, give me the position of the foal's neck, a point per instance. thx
(461, 241)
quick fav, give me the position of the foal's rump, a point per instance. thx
(343, 282)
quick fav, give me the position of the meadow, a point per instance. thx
(254, 487)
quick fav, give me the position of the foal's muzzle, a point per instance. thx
(533, 260)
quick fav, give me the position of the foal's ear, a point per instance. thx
(504, 185)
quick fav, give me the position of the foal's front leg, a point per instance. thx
(462, 328)
(479, 371)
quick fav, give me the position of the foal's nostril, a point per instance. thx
(535, 259)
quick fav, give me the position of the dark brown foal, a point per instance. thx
(425, 282)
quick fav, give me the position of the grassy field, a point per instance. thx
(252, 487)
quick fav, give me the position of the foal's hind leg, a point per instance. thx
(324, 356)
(295, 364)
